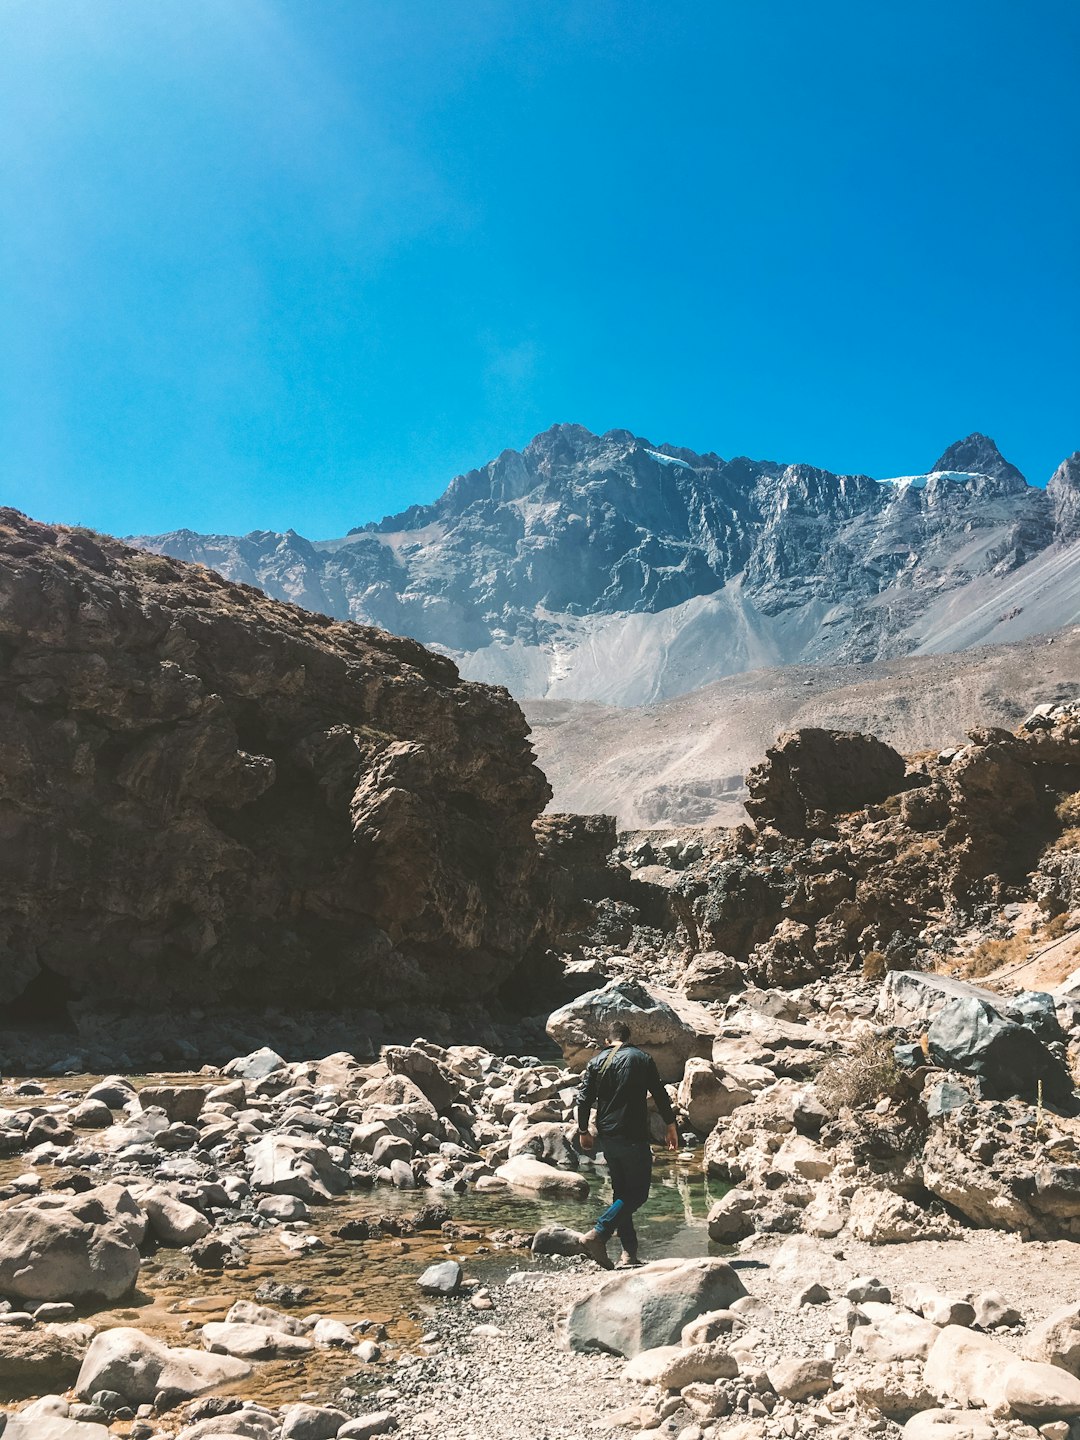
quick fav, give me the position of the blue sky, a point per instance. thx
(299, 262)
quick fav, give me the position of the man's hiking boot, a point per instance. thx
(628, 1261)
(595, 1246)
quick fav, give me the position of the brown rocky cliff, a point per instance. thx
(207, 795)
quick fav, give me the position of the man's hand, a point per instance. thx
(585, 1140)
(672, 1138)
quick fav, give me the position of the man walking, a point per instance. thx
(618, 1082)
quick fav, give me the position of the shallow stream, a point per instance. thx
(376, 1279)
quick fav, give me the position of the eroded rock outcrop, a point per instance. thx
(208, 794)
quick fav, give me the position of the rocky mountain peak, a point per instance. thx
(1063, 491)
(978, 455)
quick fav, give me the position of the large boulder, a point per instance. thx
(391, 1097)
(707, 1094)
(968, 1368)
(1056, 1340)
(80, 1247)
(914, 997)
(667, 1025)
(548, 1141)
(970, 1035)
(295, 1165)
(831, 770)
(146, 1371)
(172, 1222)
(882, 1218)
(438, 1084)
(646, 1308)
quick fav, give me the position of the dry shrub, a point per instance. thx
(1054, 929)
(874, 965)
(1069, 839)
(925, 848)
(1068, 812)
(991, 955)
(866, 1074)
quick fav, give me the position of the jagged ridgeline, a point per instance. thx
(207, 794)
(609, 568)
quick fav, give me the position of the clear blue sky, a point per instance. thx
(299, 262)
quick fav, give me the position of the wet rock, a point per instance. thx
(145, 1370)
(252, 1342)
(524, 1172)
(641, 1309)
(555, 1240)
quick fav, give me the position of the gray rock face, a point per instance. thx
(644, 1309)
(543, 569)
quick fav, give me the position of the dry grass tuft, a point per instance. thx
(991, 955)
(866, 1074)
(874, 965)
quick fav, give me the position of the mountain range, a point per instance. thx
(609, 569)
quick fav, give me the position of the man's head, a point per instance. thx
(618, 1032)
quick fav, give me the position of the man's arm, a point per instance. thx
(659, 1093)
(586, 1098)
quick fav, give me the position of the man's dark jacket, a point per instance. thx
(619, 1082)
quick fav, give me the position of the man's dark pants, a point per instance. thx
(630, 1170)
